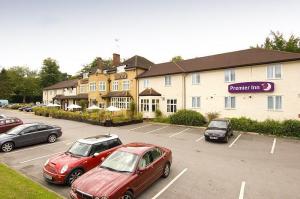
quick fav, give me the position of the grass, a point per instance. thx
(14, 185)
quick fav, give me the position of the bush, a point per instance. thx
(158, 113)
(212, 115)
(162, 119)
(187, 117)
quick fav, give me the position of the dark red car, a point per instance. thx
(126, 173)
(9, 123)
(82, 156)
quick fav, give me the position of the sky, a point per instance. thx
(74, 32)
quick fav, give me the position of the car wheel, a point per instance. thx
(52, 138)
(167, 169)
(206, 138)
(7, 147)
(226, 139)
(73, 176)
(128, 195)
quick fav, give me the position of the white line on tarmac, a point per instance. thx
(139, 127)
(235, 140)
(273, 146)
(179, 132)
(170, 183)
(40, 157)
(242, 190)
(157, 129)
(199, 139)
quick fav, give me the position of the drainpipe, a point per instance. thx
(184, 91)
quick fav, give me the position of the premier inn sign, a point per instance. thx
(251, 87)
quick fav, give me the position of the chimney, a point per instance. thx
(116, 59)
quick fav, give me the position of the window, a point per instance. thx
(121, 102)
(196, 78)
(229, 102)
(102, 86)
(274, 71)
(155, 104)
(146, 83)
(168, 80)
(98, 148)
(125, 85)
(171, 105)
(42, 127)
(156, 153)
(93, 86)
(146, 160)
(29, 130)
(144, 105)
(274, 103)
(113, 143)
(195, 102)
(101, 105)
(115, 86)
(229, 75)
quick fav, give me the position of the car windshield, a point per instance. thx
(16, 130)
(120, 161)
(80, 149)
(218, 124)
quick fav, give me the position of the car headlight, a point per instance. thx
(46, 162)
(64, 169)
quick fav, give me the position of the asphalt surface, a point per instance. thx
(250, 166)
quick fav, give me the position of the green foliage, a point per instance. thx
(5, 85)
(132, 109)
(187, 117)
(158, 113)
(176, 59)
(212, 115)
(88, 67)
(162, 119)
(83, 104)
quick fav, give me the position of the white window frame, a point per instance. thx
(168, 80)
(145, 105)
(115, 85)
(196, 102)
(92, 86)
(102, 86)
(275, 106)
(146, 83)
(228, 102)
(154, 104)
(171, 105)
(272, 69)
(196, 79)
(126, 85)
(230, 73)
(121, 102)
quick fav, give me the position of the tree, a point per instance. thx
(276, 41)
(176, 59)
(105, 62)
(5, 85)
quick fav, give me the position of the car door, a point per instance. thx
(27, 136)
(158, 163)
(42, 132)
(94, 160)
(2, 126)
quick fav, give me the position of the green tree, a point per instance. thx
(276, 41)
(5, 85)
(176, 59)
(94, 63)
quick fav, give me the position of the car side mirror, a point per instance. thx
(96, 154)
(140, 171)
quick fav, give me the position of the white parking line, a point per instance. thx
(273, 146)
(139, 127)
(156, 129)
(235, 140)
(40, 157)
(170, 183)
(199, 139)
(242, 190)
(179, 132)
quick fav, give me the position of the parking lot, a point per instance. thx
(250, 166)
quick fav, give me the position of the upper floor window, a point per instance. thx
(102, 86)
(195, 102)
(115, 86)
(93, 86)
(146, 83)
(195, 78)
(229, 102)
(274, 71)
(229, 75)
(274, 103)
(125, 85)
(168, 80)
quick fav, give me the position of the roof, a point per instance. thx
(63, 84)
(136, 148)
(149, 92)
(248, 57)
(78, 96)
(117, 94)
(97, 139)
(137, 62)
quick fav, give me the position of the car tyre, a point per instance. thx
(52, 138)
(7, 147)
(206, 138)
(167, 170)
(76, 173)
(128, 195)
(226, 139)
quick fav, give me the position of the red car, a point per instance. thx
(126, 173)
(9, 123)
(82, 156)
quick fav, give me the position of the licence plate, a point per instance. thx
(213, 137)
(47, 176)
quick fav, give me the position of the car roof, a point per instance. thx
(98, 139)
(137, 148)
(221, 119)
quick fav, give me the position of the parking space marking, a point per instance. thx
(170, 183)
(139, 127)
(242, 190)
(40, 157)
(234, 140)
(156, 129)
(178, 133)
(273, 146)
(199, 139)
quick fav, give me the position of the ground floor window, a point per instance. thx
(195, 102)
(229, 102)
(155, 104)
(171, 105)
(121, 102)
(144, 105)
(101, 105)
(274, 102)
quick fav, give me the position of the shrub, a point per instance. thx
(162, 119)
(187, 117)
(212, 115)
(158, 113)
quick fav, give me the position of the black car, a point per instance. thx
(28, 134)
(28, 109)
(219, 129)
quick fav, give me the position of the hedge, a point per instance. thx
(187, 117)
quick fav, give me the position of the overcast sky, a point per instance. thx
(75, 31)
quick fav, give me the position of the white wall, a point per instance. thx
(48, 95)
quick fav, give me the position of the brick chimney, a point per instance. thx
(116, 59)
